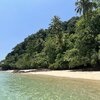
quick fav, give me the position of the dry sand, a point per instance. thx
(92, 75)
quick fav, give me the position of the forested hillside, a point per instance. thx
(64, 45)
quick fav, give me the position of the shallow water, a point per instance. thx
(37, 87)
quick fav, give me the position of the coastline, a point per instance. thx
(90, 75)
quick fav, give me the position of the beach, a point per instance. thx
(26, 86)
(91, 75)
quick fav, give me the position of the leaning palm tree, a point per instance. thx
(80, 7)
(84, 7)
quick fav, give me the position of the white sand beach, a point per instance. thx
(92, 75)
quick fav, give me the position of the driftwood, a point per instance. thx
(30, 70)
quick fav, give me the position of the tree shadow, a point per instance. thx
(86, 69)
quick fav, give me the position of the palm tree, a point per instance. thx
(80, 6)
(85, 7)
(56, 28)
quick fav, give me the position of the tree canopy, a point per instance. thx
(64, 45)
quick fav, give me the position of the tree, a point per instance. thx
(85, 7)
(71, 24)
(81, 51)
(50, 49)
(56, 29)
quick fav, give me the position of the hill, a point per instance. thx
(64, 45)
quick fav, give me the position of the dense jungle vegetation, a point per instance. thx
(64, 45)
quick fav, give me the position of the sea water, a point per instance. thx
(39, 87)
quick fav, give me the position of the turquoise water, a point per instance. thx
(37, 87)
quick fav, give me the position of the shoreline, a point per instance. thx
(90, 75)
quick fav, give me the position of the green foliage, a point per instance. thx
(71, 24)
(97, 2)
(39, 61)
(50, 49)
(64, 45)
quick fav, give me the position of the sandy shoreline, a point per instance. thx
(94, 75)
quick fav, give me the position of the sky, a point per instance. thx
(21, 18)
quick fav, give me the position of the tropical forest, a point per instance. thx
(72, 44)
